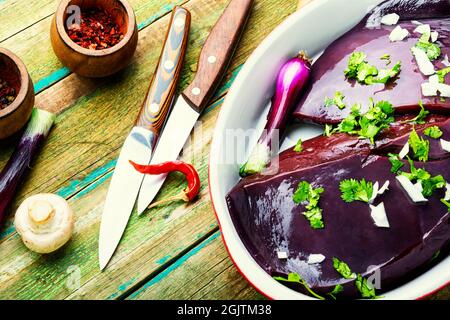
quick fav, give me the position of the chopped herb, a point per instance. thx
(429, 183)
(359, 69)
(384, 75)
(343, 269)
(395, 162)
(295, 278)
(354, 61)
(420, 119)
(353, 190)
(446, 203)
(432, 50)
(433, 132)
(327, 132)
(442, 73)
(337, 101)
(435, 255)
(298, 147)
(306, 193)
(366, 290)
(416, 174)
(420, 146)
(368, 125)
(386, 57)
(337, 289)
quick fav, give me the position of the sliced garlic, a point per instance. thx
(384, 187)
(404, 152)
(410, 189)
(429, 89)
(445, 145)
(445, 62)
(434, 36)
(423, 28)
(390, 19)
(379, 216)
(398, 34)
(447, 192)
(315, 258)
(424, 63)
(282, 255)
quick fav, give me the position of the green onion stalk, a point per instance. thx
(15, 170)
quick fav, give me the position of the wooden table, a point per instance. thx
(173, 252)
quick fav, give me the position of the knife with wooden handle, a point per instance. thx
(214, 59)
(140, 144)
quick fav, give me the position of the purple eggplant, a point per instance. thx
(13, 173)
(291, 79)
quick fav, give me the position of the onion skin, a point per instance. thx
(14, 172)
(291, 80)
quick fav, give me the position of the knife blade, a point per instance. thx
(214, 59)
(141, 142)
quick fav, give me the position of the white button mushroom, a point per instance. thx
(45, 222)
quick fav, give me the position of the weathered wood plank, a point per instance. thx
(205, 272)
(81, 139)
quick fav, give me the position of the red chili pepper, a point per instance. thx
(188, 170)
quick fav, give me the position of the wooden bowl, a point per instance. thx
(95, 63)
(16, 115)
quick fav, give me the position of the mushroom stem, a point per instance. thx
(41, 211)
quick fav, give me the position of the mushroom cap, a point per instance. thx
(45, 222)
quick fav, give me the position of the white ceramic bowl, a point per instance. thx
(313, 29)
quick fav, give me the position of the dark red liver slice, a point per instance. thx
(328, 71)
(268, 220)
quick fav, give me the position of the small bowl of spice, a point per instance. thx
(94, 38)
(16, 94)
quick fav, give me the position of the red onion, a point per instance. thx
(291, 79)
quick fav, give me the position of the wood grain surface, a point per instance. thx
(167, 250)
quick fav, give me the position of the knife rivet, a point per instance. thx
(212, 59)
(196, 91)
(169, 65)
(179, 22)
(154, 108)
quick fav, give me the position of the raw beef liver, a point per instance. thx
(327, 75)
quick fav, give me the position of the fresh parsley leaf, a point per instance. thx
(386, 57)
(447, 204)
(365, 71)
(315, 217)
(337, 101)
(299, 147)
(432, 50)
(433, 132)
(420, 146)
(328, 130)
(442, 73)
(306, 193)
(353, 190)
(296, 278)
(343, 269)
(416, 174)
(395, 162)
(366, 290)
(384, 75)
(337, 289)
(302, 193)
(430, 185)
(420, 119)
(354, 61)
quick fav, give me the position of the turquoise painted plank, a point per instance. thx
(175, 265)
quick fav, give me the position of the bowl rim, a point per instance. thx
(272, 290)
(59, 15)
(25, 82)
